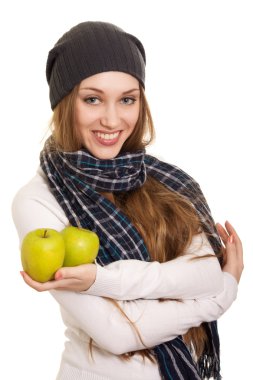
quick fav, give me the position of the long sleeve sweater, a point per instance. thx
(206, 292)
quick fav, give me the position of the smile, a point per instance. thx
(107, 138)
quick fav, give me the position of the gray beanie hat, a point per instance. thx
(90, 48)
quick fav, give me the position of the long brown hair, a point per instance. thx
(168, 221)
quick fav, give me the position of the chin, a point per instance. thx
(107, 153)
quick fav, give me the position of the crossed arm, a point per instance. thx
(156, 322)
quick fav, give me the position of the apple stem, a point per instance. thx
(45, 234)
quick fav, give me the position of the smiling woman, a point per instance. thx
(127, 102)
(157, 237)
(106, 110)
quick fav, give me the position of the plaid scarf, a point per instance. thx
(76, 180)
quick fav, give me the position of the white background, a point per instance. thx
(200, 89)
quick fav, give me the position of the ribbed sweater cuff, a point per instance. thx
(106, 282)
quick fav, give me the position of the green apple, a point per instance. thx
(42, 253)
(81, 246)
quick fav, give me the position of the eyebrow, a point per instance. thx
(98, 90)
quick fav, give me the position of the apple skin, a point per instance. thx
(42, 253)
(81, 246)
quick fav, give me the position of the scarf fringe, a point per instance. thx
(209, 367)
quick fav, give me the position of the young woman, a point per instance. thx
(147, 308)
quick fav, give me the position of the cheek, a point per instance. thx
(78, 115)
(84, 118)
(133, 118)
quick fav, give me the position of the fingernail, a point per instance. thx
(231, 239)
(58, 276)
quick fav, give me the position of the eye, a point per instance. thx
(128, 100)
(92, 100)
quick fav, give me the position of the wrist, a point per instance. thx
(92, 274)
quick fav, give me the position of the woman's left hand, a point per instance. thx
(233, 250)
(77, 279)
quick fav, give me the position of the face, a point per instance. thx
(106, 112)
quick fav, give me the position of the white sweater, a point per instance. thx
(206, 291)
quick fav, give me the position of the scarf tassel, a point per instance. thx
(209, 367)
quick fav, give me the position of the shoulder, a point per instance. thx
(34, 206)
(36, 189)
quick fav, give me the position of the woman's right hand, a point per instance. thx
(233, 251)
(77, 279)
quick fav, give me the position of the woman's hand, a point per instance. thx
(233, 252)
(77, 279)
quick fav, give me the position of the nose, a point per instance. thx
(110, 117)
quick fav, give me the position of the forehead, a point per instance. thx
(111, 80)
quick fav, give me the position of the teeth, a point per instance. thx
(107, 136)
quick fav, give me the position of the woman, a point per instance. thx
(157, 237)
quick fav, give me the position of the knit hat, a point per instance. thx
(90, 48)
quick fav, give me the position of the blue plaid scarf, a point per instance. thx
(76, 180)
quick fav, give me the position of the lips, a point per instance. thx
(106, 138)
